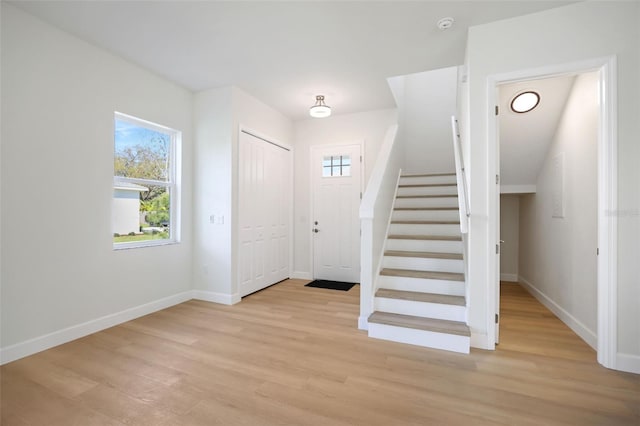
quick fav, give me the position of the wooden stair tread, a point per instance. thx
(432, 275)
(425, 237)
(428, 175)
(423, 254)
(428, 196)
(418, 296)
(420, 323)
(424, 185)
(424, 208)
(426, 222)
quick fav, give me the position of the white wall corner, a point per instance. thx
(627, 362)
(572, 322)
(300, 275)
(212, 296)
(41, 343)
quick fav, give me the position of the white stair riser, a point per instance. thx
(452, 288)
(427, 180)
(427, 339)
(428, 190)
(418, 229)
(431, 246)
(420, 309)
(423, 264)
(426, 215)
(427, 202)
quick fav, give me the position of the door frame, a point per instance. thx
(607, 193)
(312, 194)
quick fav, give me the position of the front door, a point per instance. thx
(335, 218)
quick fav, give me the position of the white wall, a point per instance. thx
(510, 234)
(368, 127)
(575, 32)
(212, 174)
(59, 268)
(425, 113)
(558, 254)
(218, 116)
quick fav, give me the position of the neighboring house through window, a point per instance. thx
(145, 192)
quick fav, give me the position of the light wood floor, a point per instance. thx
(292, 355)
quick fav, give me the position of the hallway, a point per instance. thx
(527, 327)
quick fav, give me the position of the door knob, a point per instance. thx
(315, 230)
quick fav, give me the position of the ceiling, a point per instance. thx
(525, 138)
(283, 53)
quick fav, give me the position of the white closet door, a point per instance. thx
(264, 203)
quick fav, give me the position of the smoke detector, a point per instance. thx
(445, 23)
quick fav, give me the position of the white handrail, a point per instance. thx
(461, 178)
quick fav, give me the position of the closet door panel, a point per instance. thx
(264, 205)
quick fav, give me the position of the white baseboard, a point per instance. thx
(628, 363)
(480, 341)
(512, 278)
(41, 343)
(297, 275)
(212, 296)
(574, 324)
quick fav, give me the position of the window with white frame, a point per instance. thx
(145, 191)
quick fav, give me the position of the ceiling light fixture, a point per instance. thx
(320, 109)
(525, 102)
(445, 23)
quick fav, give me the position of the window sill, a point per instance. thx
(137, 245)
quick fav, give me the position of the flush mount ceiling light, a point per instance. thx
(525, 102)
(445, 23)
(320, 109)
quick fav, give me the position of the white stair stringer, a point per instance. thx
(420, 298)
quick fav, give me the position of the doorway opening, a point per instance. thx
(552, 200)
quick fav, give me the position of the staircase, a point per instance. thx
(420, 298)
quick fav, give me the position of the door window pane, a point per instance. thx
(336, 165)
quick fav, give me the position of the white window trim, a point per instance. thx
(172, 184)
